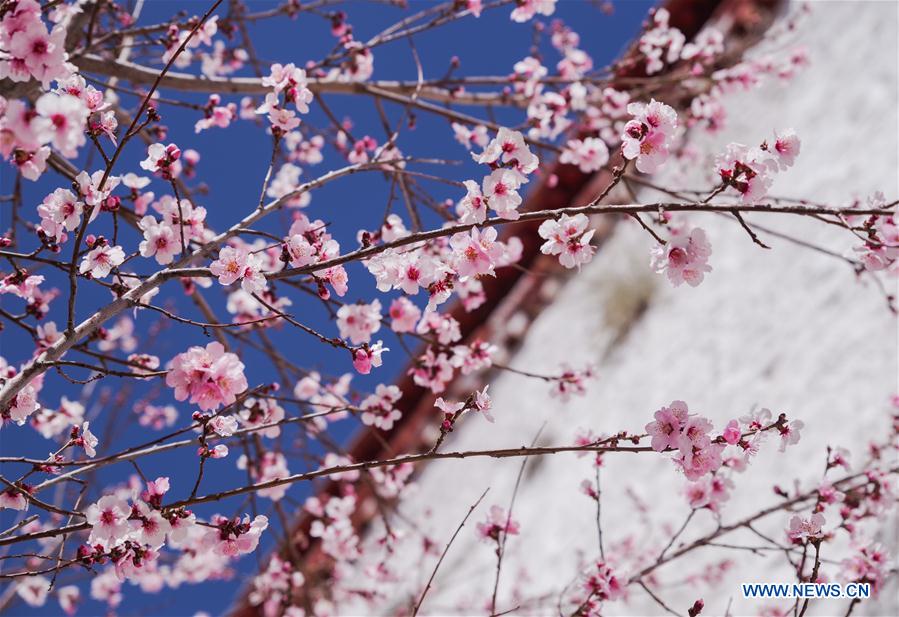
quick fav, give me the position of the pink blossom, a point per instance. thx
(603, 584)
(840, 458)
(335, 460)
(405, 270)
(803, 530)
(391, 481)
(476, 252)
(32, 164)
(118, 336)
(473, 357)
(292, 82)
(527, 77)
(22, 285)
(337, 278)
(262, 412)
(358, 154)
(548, 115)
(474, 6)
(107, 587)
(155, 490)
(89, 187)
(571, 381)
(224, 426)
(238, 537)
(149, 527)
(881, 250)
(649, 136)
(235, 263)
(697, 454)
(285, 186)
(661, 44)
(432, 370)
(447, 407)
(283, 120)
(786, 148)
(273, 583)
(21, 127)
(444, 326)
(789, 434)
(483, 403)
(416, 270)
(364, 358)
(509, 147)
(334, 527)
(589, 489)
(684, 258)
(163, 160)
(868, 564)
(33, 590)
(48, 334)
(307, 151)
(219, 451)
(694, 433)
(378, 408)
(157, 416)
(51, 423)
(13, 499)
(209, 376)
(160, 240)
(732, 434)
(526, 9)
(665, 430)
(69, 595)
(698, 494)
(216, 115)
(100, 261)
(60, 212)
(473, 207)
(109, 521)
(469, 137)
(267, 467)
(38, 52)
(757, 420)
(498, 525)
(588, 155)
(103, 123)
(65, 122)
(568, 238)
(357, 322)
(710, 492)
(747, 170)
(88, 440)
(697, 459)
(403, 315)
(393, 228)
(705, 47)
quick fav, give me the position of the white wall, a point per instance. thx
(788, 329)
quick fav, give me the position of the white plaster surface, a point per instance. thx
(788, 329)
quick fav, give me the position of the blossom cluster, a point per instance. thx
(32, 52)
(880, 251)
(134, 536)
(649, 136)
(126, 230)
(208, 376)
(751, 171)
(289, 87)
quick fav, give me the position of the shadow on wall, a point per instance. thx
(624, 293)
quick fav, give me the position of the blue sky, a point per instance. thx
(233, 165)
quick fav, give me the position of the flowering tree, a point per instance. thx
(130, 232)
